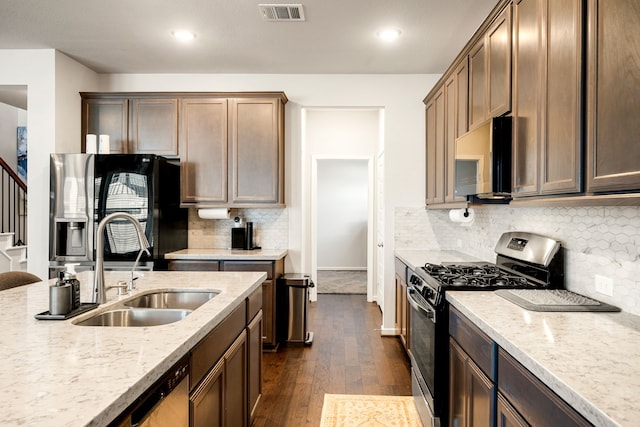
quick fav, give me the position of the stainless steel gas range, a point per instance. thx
(523, 261)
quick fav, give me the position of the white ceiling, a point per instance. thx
(338, 36)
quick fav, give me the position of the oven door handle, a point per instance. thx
(428, 311)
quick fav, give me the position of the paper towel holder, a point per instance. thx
(466, 212)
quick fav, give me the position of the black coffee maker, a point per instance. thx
(242, 237)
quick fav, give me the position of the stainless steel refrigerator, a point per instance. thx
(87, 187)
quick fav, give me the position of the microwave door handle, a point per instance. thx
(428, 311)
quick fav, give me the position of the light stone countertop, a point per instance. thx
(55, 373)
(591, 360)
(417, 257)
(228, 254)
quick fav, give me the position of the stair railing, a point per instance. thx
(13, 204)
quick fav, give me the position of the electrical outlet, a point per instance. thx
(604, 285)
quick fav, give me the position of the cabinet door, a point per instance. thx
(154, 126)
(256, 144)
(613, 95)
(526, 84)
(254, 364)
(206, 403)
(499, 64)
(477, 84)
(462, 94)
(203, 150)
(435, 148)
(561, 145)
(481, 396)
(457, 385)
(269, 338)
(507, 416)
(106, 117)
(235, 383)
(456, 105)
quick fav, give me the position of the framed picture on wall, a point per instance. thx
(22, 153)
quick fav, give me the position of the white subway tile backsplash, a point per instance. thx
(597, 240)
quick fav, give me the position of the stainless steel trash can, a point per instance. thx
(296, 293)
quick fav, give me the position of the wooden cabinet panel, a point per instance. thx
(254, 364)
(154, 126)
(499, 64)
(206, 403)
(189, 265)
(507, 416)
(561, 111)
(462, 97)
(256, 145)
(526, 84)
(477, 84)
(106, 117)
(435, 114)
(203, 150)
(274, 270)
(235, 383)
(471, 393)
(456, 104)
(533, 400)
(613, 95)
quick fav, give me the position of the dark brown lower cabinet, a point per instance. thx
(254, 367)
(507, 416)
(471, 394)
(221, 398)
(527, 401)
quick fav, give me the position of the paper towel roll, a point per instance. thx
(214, 213)
(91, 144)
(458, 215)
(103, 144)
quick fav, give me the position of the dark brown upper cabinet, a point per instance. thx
(435, 127)
(232, 150)
(547, 97)
(613, 96)
(490, 71)
(142, 124)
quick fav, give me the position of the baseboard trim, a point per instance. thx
(389, 332)
(342, 269)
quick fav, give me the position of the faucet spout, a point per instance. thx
(99, 289)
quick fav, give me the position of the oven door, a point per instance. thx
(428, 361)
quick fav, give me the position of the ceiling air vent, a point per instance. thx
(282, 12)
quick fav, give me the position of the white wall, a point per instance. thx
(400, 96)
(53, 82)
(342, 214)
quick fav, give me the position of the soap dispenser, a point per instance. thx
(71, 279)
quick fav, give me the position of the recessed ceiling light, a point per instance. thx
(183, 35)
(389, 34)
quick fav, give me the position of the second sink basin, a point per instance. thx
(172, 299)
(135, 317)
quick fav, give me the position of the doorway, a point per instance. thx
(342, 194)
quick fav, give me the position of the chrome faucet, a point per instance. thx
(99, 290)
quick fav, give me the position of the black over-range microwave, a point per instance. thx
(483, 162)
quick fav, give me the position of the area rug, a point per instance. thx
(351, 410)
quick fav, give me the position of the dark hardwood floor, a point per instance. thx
(348, 356)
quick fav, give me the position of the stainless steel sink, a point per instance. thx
(135, 317)
(172, 299)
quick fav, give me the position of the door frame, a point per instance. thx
(371, 225)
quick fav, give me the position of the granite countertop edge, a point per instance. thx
(215, 254)
(59, 373)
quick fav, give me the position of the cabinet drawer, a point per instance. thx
(536, 402)
(475, 343)
(194, 265)
(213, 346)
(265, 266)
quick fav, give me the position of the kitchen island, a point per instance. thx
(56, 373)
(590, 360)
